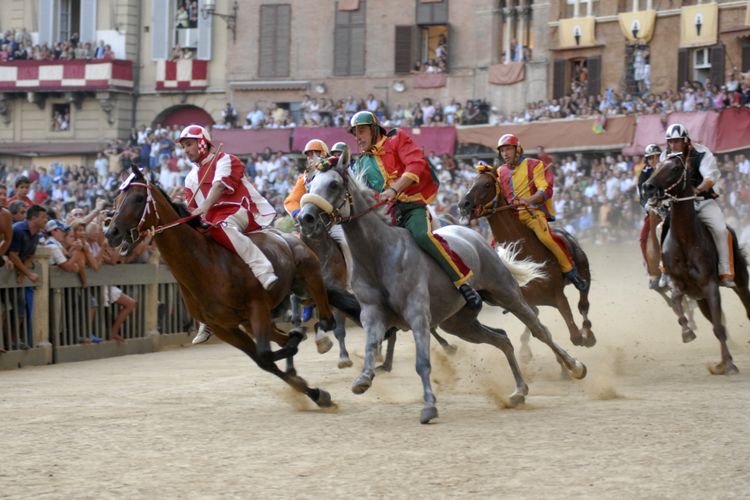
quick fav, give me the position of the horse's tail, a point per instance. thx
(740, 260)
(524, 271)
(345, 302)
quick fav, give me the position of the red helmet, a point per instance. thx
(200, 134)
(509, 140)
(195, 132)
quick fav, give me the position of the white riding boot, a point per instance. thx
(249, 251)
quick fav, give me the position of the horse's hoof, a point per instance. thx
(579, 371)
(361, 385)
(688, 336)
(383, 369)
(428, 414)
(323, 342)
(722, 368)
(345, 363)
(450, 349)
(590, 340)
(515, 399)
(580, 340)
(324, 399)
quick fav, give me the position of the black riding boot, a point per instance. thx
(472, 298)
(573, 277)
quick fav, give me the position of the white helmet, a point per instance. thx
(677, 131)
(195, 132)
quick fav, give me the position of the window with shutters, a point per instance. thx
(745, 64)
(424, 47)
(275, 40)
(349, 41)
(568, 8)
(72, 21)
(701, 64)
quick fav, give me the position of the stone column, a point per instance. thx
(589, 8)
(507, 28)
(576, 8)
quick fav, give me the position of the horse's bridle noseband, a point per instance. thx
(136, 233)
(334, 212)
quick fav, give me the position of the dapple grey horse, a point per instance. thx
(398, 285)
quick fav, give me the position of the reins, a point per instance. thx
(682, 179)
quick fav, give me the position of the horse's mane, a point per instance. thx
(180, 208)
(358, 180)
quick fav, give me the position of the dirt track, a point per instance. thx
(648, 421)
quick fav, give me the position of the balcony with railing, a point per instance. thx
(64, 76)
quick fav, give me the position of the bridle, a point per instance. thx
(334, 213)
(138, 232)
(682, 179)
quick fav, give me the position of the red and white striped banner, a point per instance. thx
(66, 75)
(184, 74)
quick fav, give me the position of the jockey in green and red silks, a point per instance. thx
(394, 166)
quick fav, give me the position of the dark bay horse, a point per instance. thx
(398, 285)
(218, 287)
(690, 257)
(485, 199)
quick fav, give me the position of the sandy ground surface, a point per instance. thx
(649, 421)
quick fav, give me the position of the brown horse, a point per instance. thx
(485, 199)
(218, 287)
(656, 280)
(690, 257)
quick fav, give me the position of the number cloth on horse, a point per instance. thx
(525, 179)
(394, 155)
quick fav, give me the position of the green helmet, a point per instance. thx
(339, 146)
(364, 118)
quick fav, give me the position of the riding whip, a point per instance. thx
(208, 169)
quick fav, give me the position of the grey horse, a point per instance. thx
(400, 286)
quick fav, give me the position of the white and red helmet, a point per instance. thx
(200, 134)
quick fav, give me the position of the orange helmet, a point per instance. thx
(509, 140)
(317, 145)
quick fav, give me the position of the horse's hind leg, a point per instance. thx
(711, 308)
(390, 349)
(576, 335)
(531, 320)
(466, 326)
(244, 343)
(583, 308)
(340, 332)
(447, 347)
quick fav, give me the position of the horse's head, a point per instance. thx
(130, 207)
(328, 199)
(483, 193)
(669, 179)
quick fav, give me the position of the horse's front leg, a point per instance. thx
(420, 327)
(340, 332)
(711, 308)
(373, 322)
(677, 305)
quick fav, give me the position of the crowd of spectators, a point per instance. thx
(329, 112)
(16, 45)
